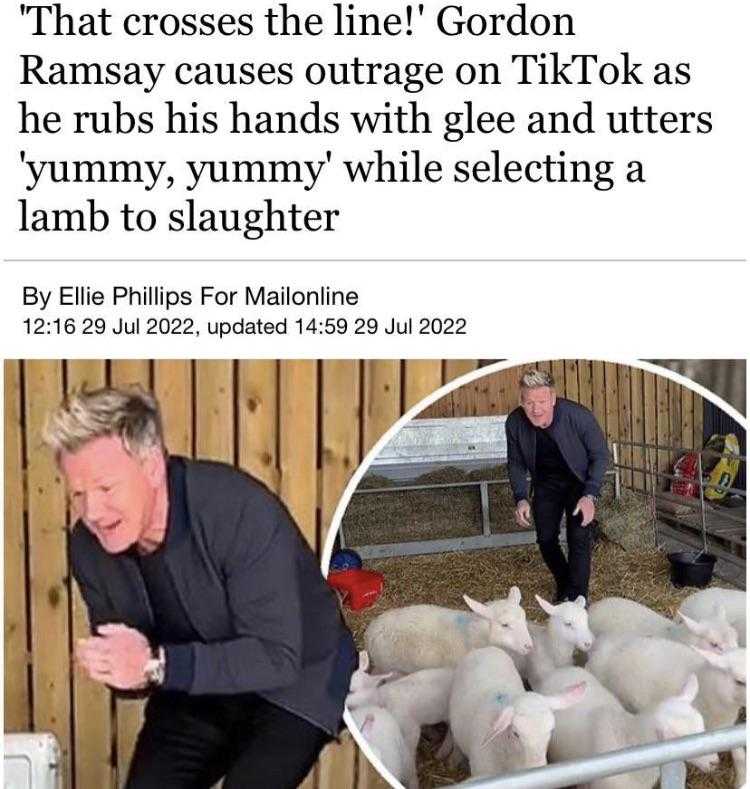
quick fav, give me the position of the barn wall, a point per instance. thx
(630, 405)
(300, 426)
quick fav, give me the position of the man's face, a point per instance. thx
(539, 405)
(111, 491)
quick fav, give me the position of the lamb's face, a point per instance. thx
(676, 717)
(738, 670)
(570, 621)
(531, 729)
(715, 635)
(732, 664)
(508, 627)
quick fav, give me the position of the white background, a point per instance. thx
(693, 207)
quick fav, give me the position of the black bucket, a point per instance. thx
(689, 569)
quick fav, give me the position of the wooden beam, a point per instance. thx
(92, 701)
(49, 598)
(258, 410)
(17, 701)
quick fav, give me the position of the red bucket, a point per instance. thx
(358, 588)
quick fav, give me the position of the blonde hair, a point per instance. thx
(534, 379)
(131, 414)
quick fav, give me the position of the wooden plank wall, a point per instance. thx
(300, 426)
(630, 405)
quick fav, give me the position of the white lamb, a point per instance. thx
(599, 723)
(383, 734)
(428, 636)
(361, 680)
(620, 616)
(642, 671)
(555, 642)
(495, 722)
(710, 602)
(419, 699)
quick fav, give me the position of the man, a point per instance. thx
(201, 591)
(561, 446)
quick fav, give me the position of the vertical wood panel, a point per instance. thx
(571, 379)
(455, 368)
(258, 408)
(126, 372)
(16, 701)
(129, 712)
(585, 384)
(638, 430)
(340, 432)
(421, 377)
(507, 398)
(686, 433)
(173, 387)
(650, 425)
(339, 457)
(612, 405)
(557, 369)
(50, 637)
(298, 448)
(482, 396)
(599, 394)
(214, 413)
(298, 427)
(92, 721)
(369, 777)
(662, 427)
(675, 419)
(623, 380)
(697, 421)
(382, 398)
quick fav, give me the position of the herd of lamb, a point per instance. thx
(647, 678)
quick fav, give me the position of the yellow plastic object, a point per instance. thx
(725, 471)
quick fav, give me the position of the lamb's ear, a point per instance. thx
(689, 689)
(499, 725)
(568, 697)
(480, 609)
(364, 660)
(580, 601)
(381, 679)
(717, 661)
(721, 612)
(514, 595)
(548, 608)
(366, 727)
(691, 624)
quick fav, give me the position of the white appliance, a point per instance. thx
(32, 761)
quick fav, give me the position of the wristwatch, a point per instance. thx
(156, 667)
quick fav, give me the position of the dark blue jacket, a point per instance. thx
(252, 589)
(578, 436)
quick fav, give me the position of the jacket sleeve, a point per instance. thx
(261, 583)
(97, 606)
(597, 451)
(517, 471)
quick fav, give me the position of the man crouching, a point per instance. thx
(201, 591)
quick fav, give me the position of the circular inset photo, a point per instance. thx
(545, 563)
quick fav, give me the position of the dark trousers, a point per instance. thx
(193, 741)
(550, 501)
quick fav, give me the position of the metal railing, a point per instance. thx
(668, 755)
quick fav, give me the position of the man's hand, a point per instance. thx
(115, 657)
(587, 509)
(523, 514)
